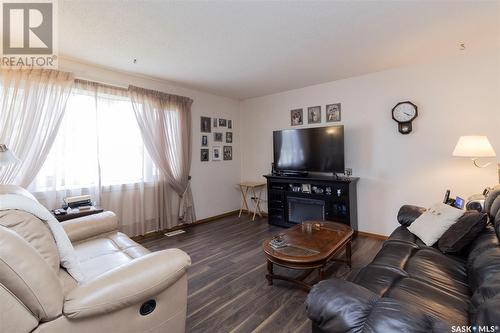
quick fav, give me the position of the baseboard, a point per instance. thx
(234, 212)
(184, 226)
(244, 211)
(213, 218)
(371, 235)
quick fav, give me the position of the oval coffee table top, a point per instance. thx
(309, 242)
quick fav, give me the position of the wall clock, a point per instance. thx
(404, 113)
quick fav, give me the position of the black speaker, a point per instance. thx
(476, 201)
(475, 205)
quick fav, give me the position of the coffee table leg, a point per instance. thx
(348, 254)
(269, 276)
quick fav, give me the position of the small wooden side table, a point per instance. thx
(75, 213)
(253, 187)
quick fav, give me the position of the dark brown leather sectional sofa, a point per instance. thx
(411, 287)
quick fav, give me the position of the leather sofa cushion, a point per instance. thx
(66, 280)
(488, 313)
(25, 274)
(340, 306)
(102, 254)
(407, 270)
(483, 259)
(492, 202)
(483, 264)
(460, 234)
(14, 316)
(35, 232)
(492, 207)
(439, 304)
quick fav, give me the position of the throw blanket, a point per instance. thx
(66, 252)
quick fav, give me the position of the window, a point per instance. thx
(99, 144)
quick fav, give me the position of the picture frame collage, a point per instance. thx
(219, 132)
(314, 114)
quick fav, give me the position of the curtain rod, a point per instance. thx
(126, 88)
(101, 82)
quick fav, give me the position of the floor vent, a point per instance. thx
(174, 233)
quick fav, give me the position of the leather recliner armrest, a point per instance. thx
(90, 226)
(337, 306)
(132, 283)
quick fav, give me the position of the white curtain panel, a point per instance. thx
(165, 123)
(32, 105)
(99, 151)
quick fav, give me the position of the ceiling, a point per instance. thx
(253, 48)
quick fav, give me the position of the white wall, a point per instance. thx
(455, 97)
(213, 183)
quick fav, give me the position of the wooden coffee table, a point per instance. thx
(310, 246)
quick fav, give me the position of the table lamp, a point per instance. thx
(7, 157)
(475, 147)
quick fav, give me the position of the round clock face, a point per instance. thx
(404, 112)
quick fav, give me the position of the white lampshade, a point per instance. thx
(7, 157)
(474, 146)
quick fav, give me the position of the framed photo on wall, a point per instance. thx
(229, 137)
(216, 153)
(296, 117)
(314, 114)
(214, 125)
(205, 125)
(217, 137)
(222, 122)
(229, 124)
(333, 112)
(204, 156)
(204, 140)
(228, 153)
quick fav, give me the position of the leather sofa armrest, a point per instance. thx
(409, 213)
(341, 306)
(135, 282)
(337, 306)
(90, 226)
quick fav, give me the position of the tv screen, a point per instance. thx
(319, 149)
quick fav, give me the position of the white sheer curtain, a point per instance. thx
(165, 123)
(32, 107)
(99, 151)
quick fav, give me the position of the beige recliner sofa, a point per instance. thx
(127, 288)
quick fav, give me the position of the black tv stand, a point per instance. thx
(293, 199)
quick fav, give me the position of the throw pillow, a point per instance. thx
(432, 224)
(460, 234)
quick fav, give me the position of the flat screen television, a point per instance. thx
(319, 149)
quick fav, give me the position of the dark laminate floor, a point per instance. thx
(227, 288)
